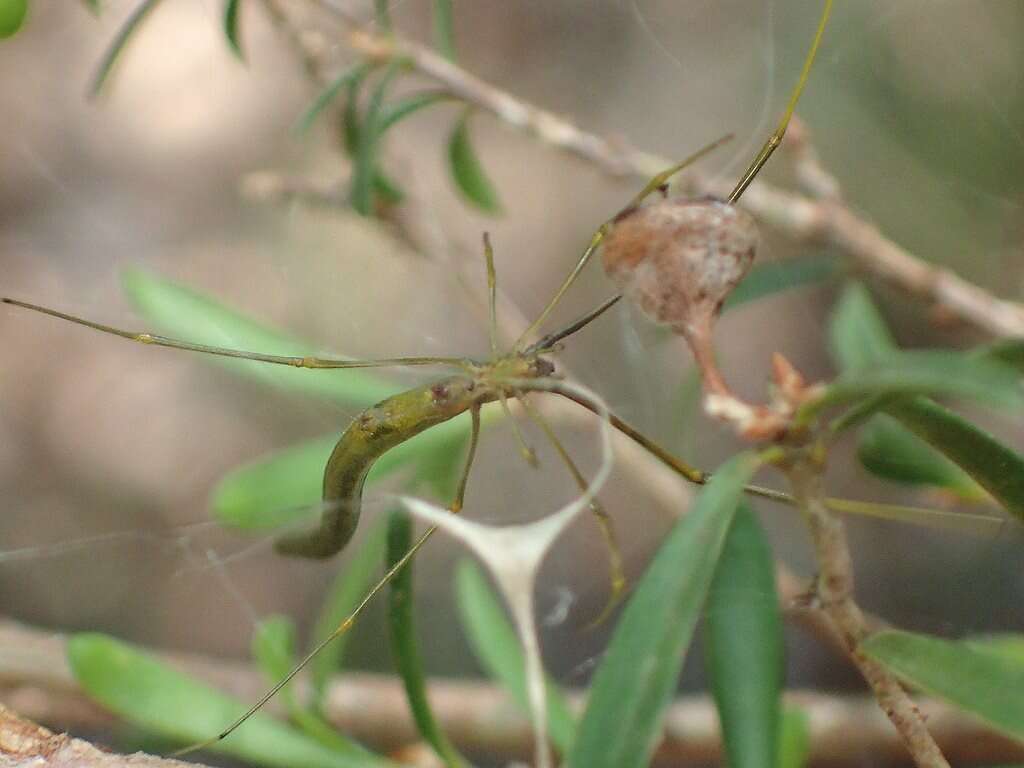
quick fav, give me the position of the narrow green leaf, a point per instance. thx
(497, 649)
(859, 336)
(117, 46)
(349, 81)
(12, 16)
(996, 467)
(144, 691)
(187, 314)
(773, 277)
(468, 173)
(348, 589)
(444, 28)
(744, 645)
(231, 9)
(988, 685)
(382, 14)
(794, 739)
(93, 6)
(1009, 352)
(286, 486)
(1009, 646)
(364, 167)
(931, 372)
(891, 451)
(636, 680)
(395, 111)
(404, 648)
(273, 650)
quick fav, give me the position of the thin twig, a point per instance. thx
(36, 681)
(834, 590)
(819, 218)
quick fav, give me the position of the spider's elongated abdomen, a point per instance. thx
(371, 434)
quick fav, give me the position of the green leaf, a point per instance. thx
(144, 691)
(364, 167)
(891, 451)
(231, 8)
(859, 336)
(444, 28)
(93, 6)
(1008, 646)
(794, 739)
(12, 16)
(286, 486)
(382, 14)
(117, 46)
(1010, 352)
(497, 649)
(184, 313)
(347, 591)
(931, 372)
(348, 80)
(988, 685)
(467, 172)
(273, 649)
(636, 680)
(396, 111)
(996, 467)
(744, 645)
(404, 647)
(773, 277)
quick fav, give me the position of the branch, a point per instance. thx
(835, 593)
(819, 217)
(22, 743)
(35, 679)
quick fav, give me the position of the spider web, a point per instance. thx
(108, 451)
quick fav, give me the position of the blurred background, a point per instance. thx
(108, 450)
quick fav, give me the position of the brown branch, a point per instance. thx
(835, 593)
(821, 217)
(23, 743)
(36, 681)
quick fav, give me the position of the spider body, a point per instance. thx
(391, 422)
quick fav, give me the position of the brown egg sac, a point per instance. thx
(678, 260)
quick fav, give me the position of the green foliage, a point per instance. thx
(12, 16)
(467, 171)
(744, 645)
(444, 28)
(347, 591)
(794, 739)
(404, 647)
(919, 438)
(768, 278)
(986, 683)
(891, 451)
(145, 691)
(637, 677)
(231, 12)
(117, 47)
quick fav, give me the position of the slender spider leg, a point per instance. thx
(548, 343)
(656, 183)
(601, 516)
(492, 296)
(293, 361)
(474, 439)
(350, 620)
(776, 138)
(529, 455)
